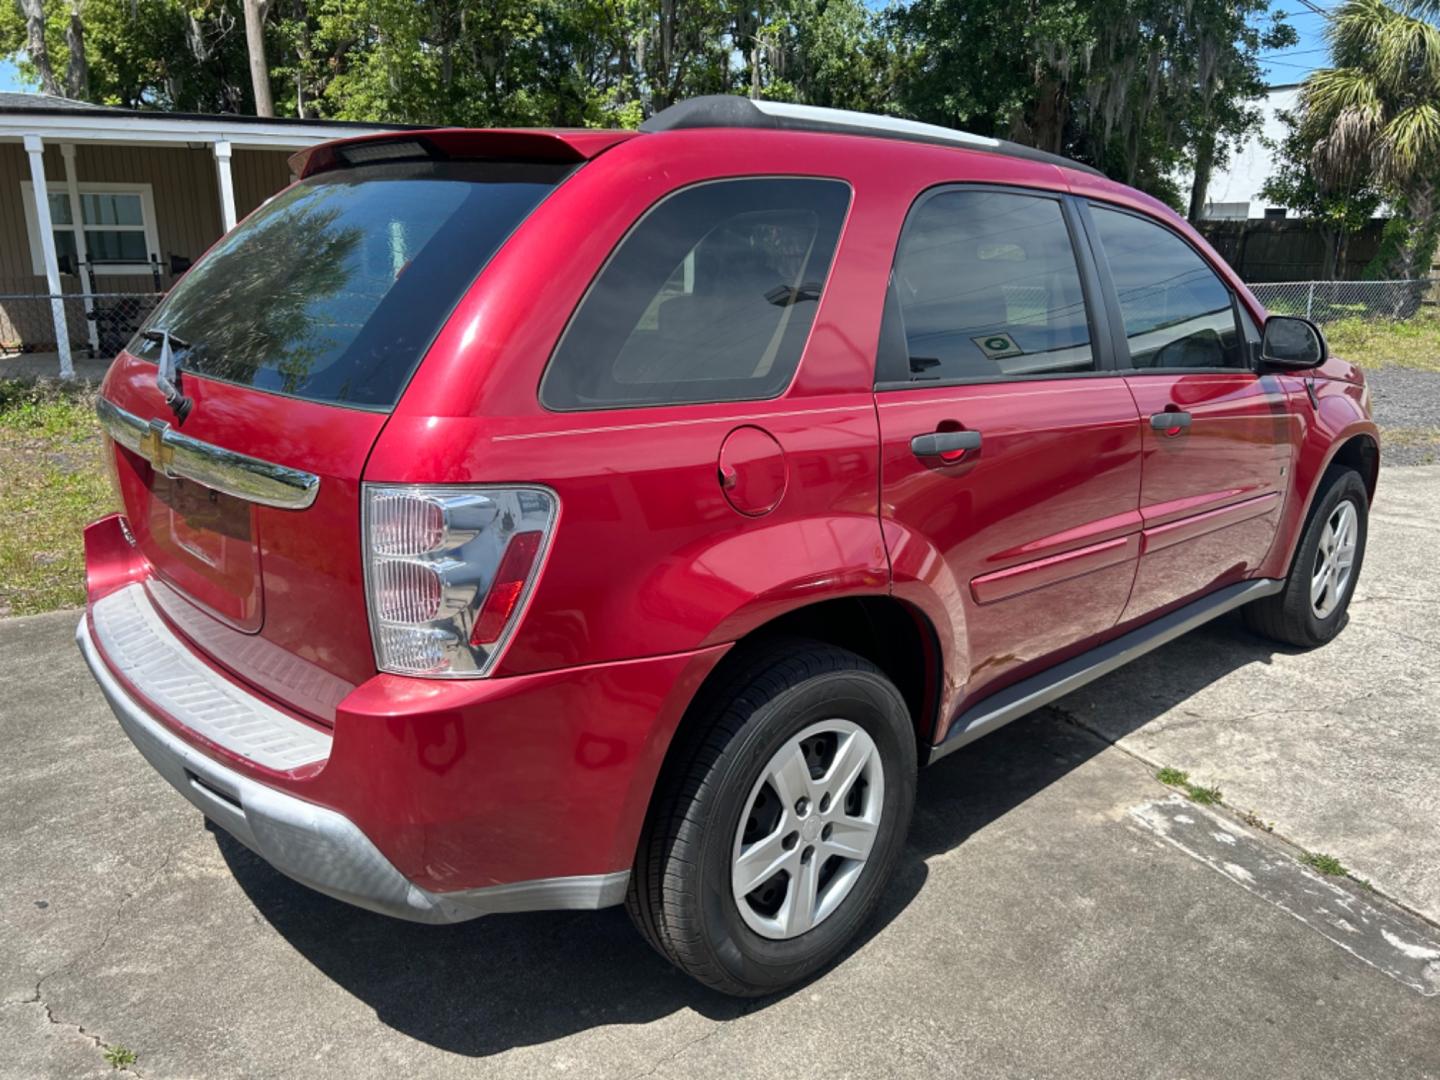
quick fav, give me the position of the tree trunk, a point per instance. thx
(35, 44)
(1052, 108)
(255, 12)
(1331, 239)
(665, 84)
(1204, 167)
(77, 73)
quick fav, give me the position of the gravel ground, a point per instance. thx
(1407, 408)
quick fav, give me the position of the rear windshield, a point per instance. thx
(333, 290)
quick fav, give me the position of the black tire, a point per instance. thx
(680, 893)
(1289, 616)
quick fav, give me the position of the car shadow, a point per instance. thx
(482, 987)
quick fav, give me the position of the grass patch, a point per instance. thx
(1326, 864)
(52, 483)
(1414, 343)
(1423, 442)
(120, 1057)
(1206, 796)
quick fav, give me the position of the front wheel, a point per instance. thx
(779, 824)
(1311, 609)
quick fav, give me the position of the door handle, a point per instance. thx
(1171, 423)
(949, 445)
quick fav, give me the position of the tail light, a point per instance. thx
(447, 571)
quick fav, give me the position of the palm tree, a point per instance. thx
(1377, 112)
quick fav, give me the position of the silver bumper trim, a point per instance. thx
(315, 845)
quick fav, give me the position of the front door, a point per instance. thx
(1010, 461)
(1215, 432)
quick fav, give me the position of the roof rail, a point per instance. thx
(731, 111)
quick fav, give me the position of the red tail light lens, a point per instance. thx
(504, 595)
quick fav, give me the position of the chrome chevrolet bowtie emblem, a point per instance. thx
(154, 449)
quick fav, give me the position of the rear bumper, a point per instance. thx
(316, 845)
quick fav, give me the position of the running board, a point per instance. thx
(1030, 694)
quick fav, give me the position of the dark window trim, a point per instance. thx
(634, 225)
(986, 380)
(1125, 362)
(1101, 347)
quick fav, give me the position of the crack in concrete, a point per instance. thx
(1231, 811)
(715, 1029)
(98, 947)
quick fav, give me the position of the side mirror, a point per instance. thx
(1292, 344)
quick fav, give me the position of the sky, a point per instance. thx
(1293, 64)
(1289, 66)
(9, 77)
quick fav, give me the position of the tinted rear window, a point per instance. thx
(334, 289)
(710, 297)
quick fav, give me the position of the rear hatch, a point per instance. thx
(294, 338)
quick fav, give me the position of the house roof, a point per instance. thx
(63, 119)
(13, 101)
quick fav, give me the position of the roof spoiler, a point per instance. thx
(465, 144)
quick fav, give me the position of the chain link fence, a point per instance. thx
(1329, 301)
(96, 324)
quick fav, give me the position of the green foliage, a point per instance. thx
(1143, 88)
(1207, 796)
(120, 1057)
(1140, 88)
(51, 484)
(1375, 112)
(1339, 201)
(1326, 864)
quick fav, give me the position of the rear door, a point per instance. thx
(1215, 431)
(295, 336)
(1010, 445)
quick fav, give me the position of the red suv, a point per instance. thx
(556, 519)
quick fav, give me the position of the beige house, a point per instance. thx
(132, 198)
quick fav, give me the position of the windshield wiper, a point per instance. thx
(162, 335)
(167, 375)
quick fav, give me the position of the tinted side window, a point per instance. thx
(709, 298)
(986, 284)
(1177, 311)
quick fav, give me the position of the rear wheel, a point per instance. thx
(1312, 607)
(778, 826)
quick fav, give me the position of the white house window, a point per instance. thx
(117, 221)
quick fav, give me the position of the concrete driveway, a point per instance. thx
(1056, 913)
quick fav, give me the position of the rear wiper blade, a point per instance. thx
(167, 374)
(159, 336)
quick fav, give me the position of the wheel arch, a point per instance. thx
(1357, 447)
(892, 634)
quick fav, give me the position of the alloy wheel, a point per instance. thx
(807, 829)
(1334, 560)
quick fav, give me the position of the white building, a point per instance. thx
(1235, 190)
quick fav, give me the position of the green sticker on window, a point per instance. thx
(996, 346)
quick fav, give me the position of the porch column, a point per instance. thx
(82, 253)
(35, 148)
(227, 186)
